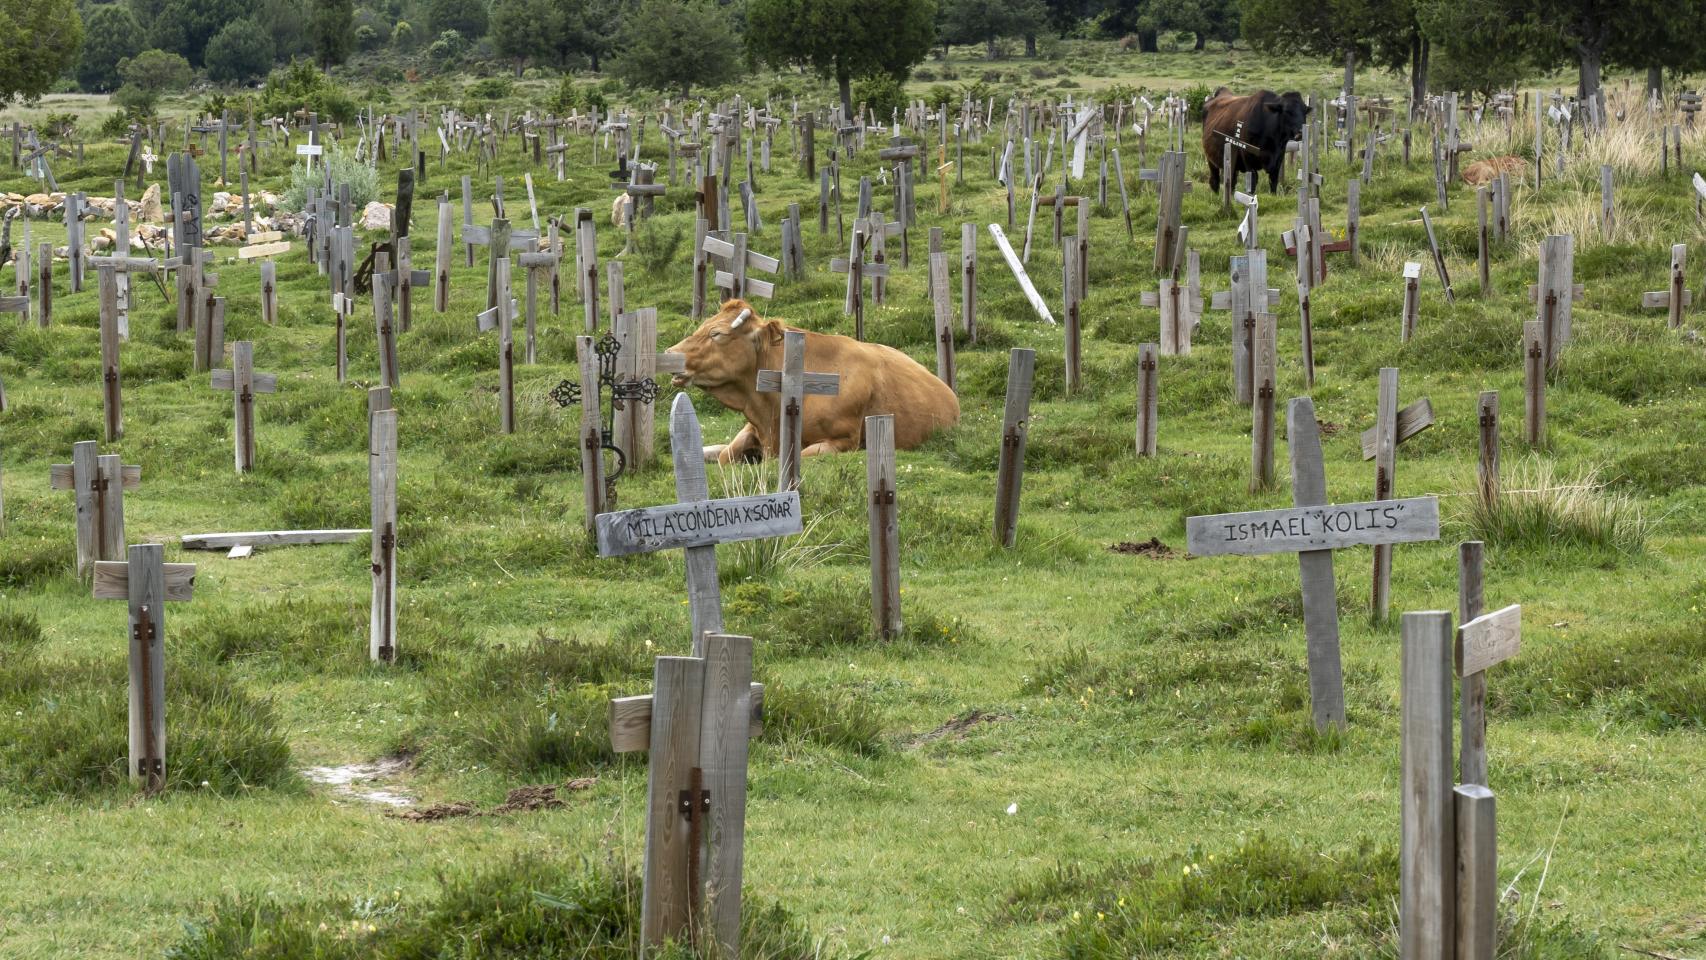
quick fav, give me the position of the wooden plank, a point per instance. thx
(698, 524)
(1488, 640)
(631, 721)
(1534, 382)
(790, 410)
(968, 281)
(441, 259)
(884, 525)
(1412, 420)
(725, 719)
(1018, 269)
(59, 475)
(85, 489)
(1427, 898)
(1015, 428)
(1313, 528)
(112, 580)
(668, 901)
(264, 250)
(942, 305)
(109, 504)
(814, 384)
(591, 434)
(269, 538)
(687, 450)
(1477, 856)
(1315, 572)
(1385, 468)
(382, 495)
(1264, 374)
(1472, 711)
(1487, 465)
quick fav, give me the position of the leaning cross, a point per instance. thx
(734, 281)
(1380, 444)
(1313, 529)
(98, 483)
(794, 383)
(148, 584)
(244, 382)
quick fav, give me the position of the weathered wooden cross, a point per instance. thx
(244, 382)
(1555, 293)
(1313, 529)
(1249, 297)
(734, 281)
(857, 269)
(794, 384)
(98, 483)
(148, 584)
(1380, 444)
(1678, 296)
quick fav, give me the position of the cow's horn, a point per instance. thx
(740, 319)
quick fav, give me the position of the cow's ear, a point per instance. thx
(773, 331)
(1274, 107)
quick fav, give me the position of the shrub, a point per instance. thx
(656, 246)
(490, 88)
(881, 92)
(1538, 511)
(239, 53)
(149, 75)
(363, 180)
(301, 86)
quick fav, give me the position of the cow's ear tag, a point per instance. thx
(739, 319)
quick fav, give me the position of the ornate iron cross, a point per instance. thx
(622, 389)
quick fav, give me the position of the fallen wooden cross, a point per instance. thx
(1313, 529)
(1439, 258)
(1013, 264)
(268, 538)
(148, 584)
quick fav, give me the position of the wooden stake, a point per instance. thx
(112, 399)
(1385, 463)
(1071, 316)
(1534, 382)
(1487, 468)
(885, 528)
(1315, 569)
(1428, 867)
(591, 434)
(1148, 405)
(1015, 427)
(382, 495)
(1477, 855)
(968, 281)
(1412, 300)
(1265, 371)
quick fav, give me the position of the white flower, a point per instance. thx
(1012, 808)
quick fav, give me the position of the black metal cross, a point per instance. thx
(621, 389)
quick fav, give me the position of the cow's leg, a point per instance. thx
(833, 445)
(1214, 177)
(1273, 176)
(744, 448)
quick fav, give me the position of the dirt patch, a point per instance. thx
(1153, 547)
(958, 727)
(1328, 427)
(520, 800)
(365, 782)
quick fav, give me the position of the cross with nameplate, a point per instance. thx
(1313, 529)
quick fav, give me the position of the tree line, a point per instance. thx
(134, 46)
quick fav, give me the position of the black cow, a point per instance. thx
(1258, 125)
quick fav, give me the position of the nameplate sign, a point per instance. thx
(698, 524)
(1297, 529)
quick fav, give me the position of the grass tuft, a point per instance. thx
(1539, 512)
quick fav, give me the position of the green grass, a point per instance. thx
(1142, 713)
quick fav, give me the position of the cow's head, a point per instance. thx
(724, 350)
(1290, 112)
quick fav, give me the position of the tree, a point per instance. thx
(286, 21)
(466, 17)
(1205, 19)
(147, 76)
(240, 53)
(986, 21)
(185, 26)
(677, 44)
(1384, 33)
(39, 40)
(331, 22)
(843, 38)
(590, 27)
(524, 30)
(112, 34)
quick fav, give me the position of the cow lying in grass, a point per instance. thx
(723, 358)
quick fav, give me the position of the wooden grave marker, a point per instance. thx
(1438, 257)
(382, 500)
(794, 384)
(1412, 301)
(1313, 529)
(884, 526)
(1148, 399)
(1015, 428)
(1264, 379)
(857, 269)
(1013, 263)
(97, 483)
(1555, 293)
(147, 583)
(502, 318)
(537, 263)
(244, 382)
(1484, 640)
(734, 281)
(1248, 297)
(635, 427)
(595, 490)
(1678, 296)
(1380, 444)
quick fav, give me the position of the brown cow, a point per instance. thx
(723, 358)
(1258, 126)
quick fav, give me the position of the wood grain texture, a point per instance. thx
(382, 505)
(1427, 899)
(269, 538)
(1385, 467)
(725, 712)
(1315, 572)
(687, 451)
(147, 589)
(698, 523)
(1313, 528)
(1018, 269)
(1477, 872)
(882, 516)
(667, 899)
(112, 580)
(109, 505)
(941, 301)
(591, 434)
(1534, 382)
(1148, 398)
(791, 410)
(112, 396)
(1015, 428)
(631, 721)
(1412, 420)
(1472, 707)
(1487, 464)
(1489, 640)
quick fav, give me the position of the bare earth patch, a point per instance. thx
(958, 727)
(1153, 547)
(364, 782)
(520, 800)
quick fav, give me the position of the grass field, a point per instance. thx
(1073, 752)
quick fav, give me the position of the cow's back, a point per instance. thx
(1222, 115)
(876, 380)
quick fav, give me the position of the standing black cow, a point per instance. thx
(1258, 125)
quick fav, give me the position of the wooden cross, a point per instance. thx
(1678, 296)
(1018, 269)
(244, 382)
(1249, 297)
(546, 262)
(734, 281)
(1380, 444)
(148, 584)
(1058, 202)
(1015, 429)
(382, 497)
(1484, 640)
(343, 308)
(857, 268)
(1438, 257)
(1555, 293)
(884, 525)
(97, 483)
(1148, 405)
(502, 318)
(1313, 529)
(1171, 185)
(794, 384)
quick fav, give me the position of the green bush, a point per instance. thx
(490, 88)
(363, 180)
(301, 86)
(881, 92)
